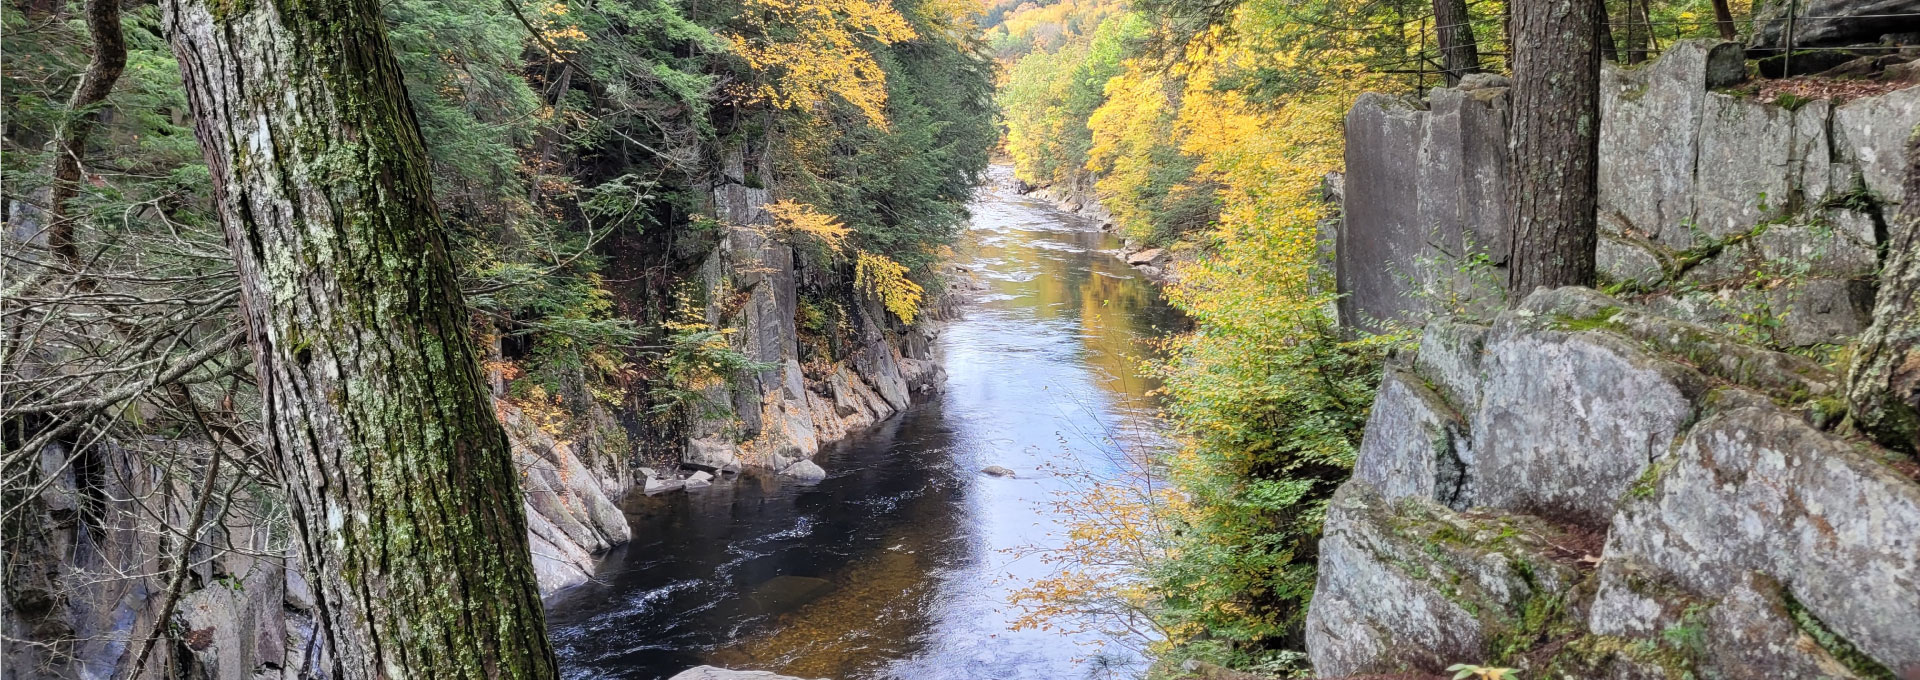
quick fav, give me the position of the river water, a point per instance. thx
(902, 562)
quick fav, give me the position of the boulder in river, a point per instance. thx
(699, 479)
(714, 673)
(997, 471)
(1151, 257)
(659, 486)
(804, 470)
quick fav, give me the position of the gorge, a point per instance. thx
(952, 339)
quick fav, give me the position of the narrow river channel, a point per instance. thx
(900, 563)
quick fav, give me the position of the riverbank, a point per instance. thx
(1160, 265)
(900, 562)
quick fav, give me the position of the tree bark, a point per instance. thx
(70, 146)
(1459, 54)
(1883, 384)
(405, 502)
(1723, 18)
(1554, 146)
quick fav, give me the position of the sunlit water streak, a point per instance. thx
(900, 563)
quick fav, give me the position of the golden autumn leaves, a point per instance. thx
(874, 274)
(810, 51)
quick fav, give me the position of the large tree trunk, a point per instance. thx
(1459, 55)
(405, 502)
(1554, 145)
(1883, 384)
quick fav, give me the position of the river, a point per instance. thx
(901, 563)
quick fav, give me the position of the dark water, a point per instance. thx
(900, 563)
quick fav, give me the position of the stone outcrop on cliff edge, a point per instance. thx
(1704, 190)
(1589, 490)
(777, 419)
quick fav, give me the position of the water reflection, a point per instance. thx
(896, 566)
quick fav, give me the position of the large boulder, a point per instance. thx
(1649, 141)
(716, 673)
(1415, 444)
(1409, 584)
(1151, 257)
(1869, 139)
(1754, 488)
(1569, 418)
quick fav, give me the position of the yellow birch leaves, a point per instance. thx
(811, 51)
(887, 280)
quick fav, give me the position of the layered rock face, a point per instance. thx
(777, 419)
(1714, 206)
(571, 490)
(91, 591)
(1586, 489)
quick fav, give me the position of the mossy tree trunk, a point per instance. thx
(1883, 384)
(1555, 144)
(406, 504)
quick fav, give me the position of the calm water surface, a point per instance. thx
(900, 563)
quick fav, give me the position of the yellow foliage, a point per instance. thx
(1257, 290)
(795, 220)
(887, 280)
(807, 52)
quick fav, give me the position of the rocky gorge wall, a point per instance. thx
(1714, 205)
(778, 418)
(1629, 485)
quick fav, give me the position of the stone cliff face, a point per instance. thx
(1587, 489)
(777, 419)
(1703, 191)
(92, 591)
(1629, 486)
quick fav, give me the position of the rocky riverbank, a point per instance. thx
(1159, 265)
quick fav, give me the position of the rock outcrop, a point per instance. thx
(1713, 206)
(776, 419)
(571, 490)
(1585, 489)
(1833, 23)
